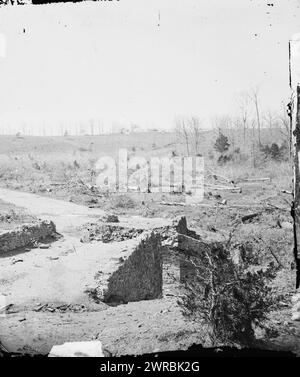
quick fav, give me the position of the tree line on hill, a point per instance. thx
(253, 133)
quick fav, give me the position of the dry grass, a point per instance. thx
(10, 216)
(64, 167)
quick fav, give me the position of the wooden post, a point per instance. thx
(294, 49)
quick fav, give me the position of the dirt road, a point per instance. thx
(67, 216)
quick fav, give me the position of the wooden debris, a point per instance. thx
(255, 179)
(172, 204)
(275, 257)
(16, 261)
(286, 192)
(40, 307)
(3, 349)
(251, 206)
(225, 188)
(279, 208)
(250, 216)
(216, 176)
(6, 308)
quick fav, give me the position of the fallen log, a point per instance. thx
(275, 257)
(215, 176)
(172, 204)
(234, 188)
(259, 206)
(254, 179)
(250, 216)
(3, 350)
(279, 208)
(220, 205)
(286, 192)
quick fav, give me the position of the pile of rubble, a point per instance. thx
(108, 233)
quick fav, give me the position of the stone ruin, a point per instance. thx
(148, 264)
(154, 266)
(26, 235)
(139, 277)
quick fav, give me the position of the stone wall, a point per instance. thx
(157, 265)
(185, 249)
(26, 235)
(140, 276)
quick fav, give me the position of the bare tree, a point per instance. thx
(183, 131)
(100, 127)
(270, 118)
(195, 128)
(255, 99)
(92, 126)
(253, 147)
(243, 105)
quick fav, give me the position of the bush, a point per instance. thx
(122, 201)
(274, 152)
(224, 158)
(228, 297)
(222, 145)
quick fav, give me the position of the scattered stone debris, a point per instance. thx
(108, 233)
(76, 308)
(53, 258)
(110, 218)
(44, 246)
(78, 349)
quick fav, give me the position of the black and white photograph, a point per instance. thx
(149, 181)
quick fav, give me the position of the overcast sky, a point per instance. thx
(119, 61)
